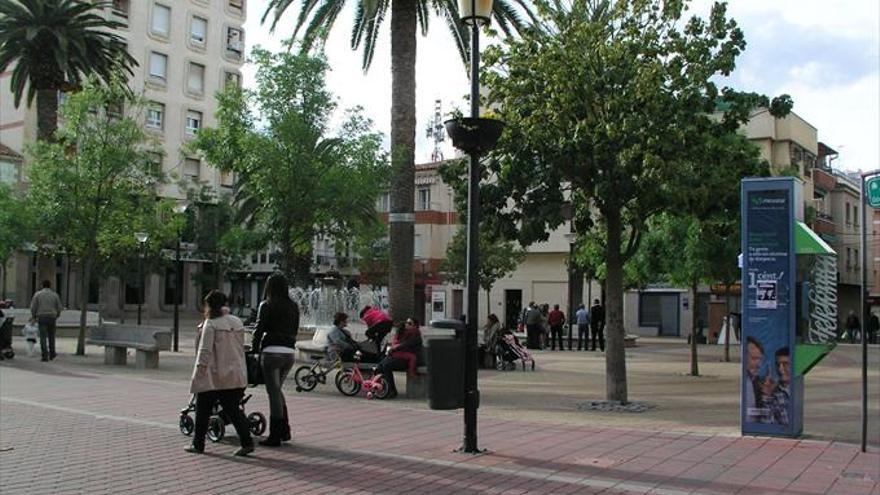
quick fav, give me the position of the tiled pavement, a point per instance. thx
(65, 431)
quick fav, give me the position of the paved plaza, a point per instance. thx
(77, 426)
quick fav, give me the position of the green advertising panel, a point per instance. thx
(873, 191)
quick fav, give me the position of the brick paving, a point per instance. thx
(65, 430)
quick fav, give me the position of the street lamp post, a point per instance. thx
(474, 136)
(178, 275)
(142, 242)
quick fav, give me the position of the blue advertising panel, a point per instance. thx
(768, 390)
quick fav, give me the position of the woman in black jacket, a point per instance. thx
(275, 337)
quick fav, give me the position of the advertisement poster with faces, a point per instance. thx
(767, 343)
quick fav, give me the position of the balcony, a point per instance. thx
(823, 224)
(823, 180)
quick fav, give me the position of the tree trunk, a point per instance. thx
(403, 127)
(84, 304)
(488, 304)
(47, 113)
(729, 324)
(615, 355)
(695, 367)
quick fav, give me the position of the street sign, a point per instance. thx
(872, 187)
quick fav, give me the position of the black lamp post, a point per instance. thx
(474, 136)
(178, 289)
(142, 242)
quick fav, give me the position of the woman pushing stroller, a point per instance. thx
(219, 374)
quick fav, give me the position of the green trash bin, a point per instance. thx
(445, 361)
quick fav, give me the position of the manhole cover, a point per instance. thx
(614, 406)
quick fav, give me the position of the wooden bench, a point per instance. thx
(146, 340)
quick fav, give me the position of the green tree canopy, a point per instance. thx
(295, 180)
(54, 45)
(94, 187)
(608, 112)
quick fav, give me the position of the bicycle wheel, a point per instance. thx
(305, 379)
(346, 383)
(380, 390)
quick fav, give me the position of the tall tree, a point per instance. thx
(54, 44)
(297, 181)
(15, 228)
(94, 185)
(315, 20)
(613, 111)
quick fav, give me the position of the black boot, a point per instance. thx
(285, 426)
(274, 438)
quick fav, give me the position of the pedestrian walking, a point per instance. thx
(597, 326)
(556, 319)
(275, 338)
(852, 327)
(533, 326)
(545, 326)
(873, 328)
(45, 310)
(219, 374)
(582, 318)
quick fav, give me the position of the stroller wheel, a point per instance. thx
(216, 429)
(187, 425)
(533, 365)
(499, 365)
(305, 379)
(257, 423)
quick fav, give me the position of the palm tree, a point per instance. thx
(317, 18)
(54, 44)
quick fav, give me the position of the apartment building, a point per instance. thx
(186, 51)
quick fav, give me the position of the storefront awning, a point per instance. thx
(808, 242)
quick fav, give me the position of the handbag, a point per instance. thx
(254, 368)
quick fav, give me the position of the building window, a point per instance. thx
(154, 164)
(158, 66)
(424, 199)
(195, 82)
(225, 178)
(198, 30)
(121, 7)
(161, 24)
(418, 246)
(191, 168)
(8, 173)
(848, 258)
(114, 110)
(193, 121)
(855, 215)
(232, 79)
(254, 258)
(848, 220)
(156, 116)
(856, 256)
(263, 258)
(234, 43)
(383, 204)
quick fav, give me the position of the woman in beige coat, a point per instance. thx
(219, 374)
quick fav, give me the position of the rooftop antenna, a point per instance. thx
(436, 131)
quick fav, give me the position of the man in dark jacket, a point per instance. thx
(597, 326)
(556, 319)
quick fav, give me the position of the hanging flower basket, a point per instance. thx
(474, 135)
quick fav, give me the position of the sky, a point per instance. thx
(825, 54)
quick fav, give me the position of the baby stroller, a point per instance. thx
(219, 420)
(509, 351)
(6, 351)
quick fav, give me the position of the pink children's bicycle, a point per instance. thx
(350, 381)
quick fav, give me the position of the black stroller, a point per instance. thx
(6, 351)
(219, 420)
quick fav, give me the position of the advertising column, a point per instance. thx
(768, 390)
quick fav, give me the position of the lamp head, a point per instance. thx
(141, 237)
(181, 208)
(475, 11)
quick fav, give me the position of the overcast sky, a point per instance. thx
(825, 54)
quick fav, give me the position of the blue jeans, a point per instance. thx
(276, 366)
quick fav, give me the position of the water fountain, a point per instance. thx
(318, 305)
